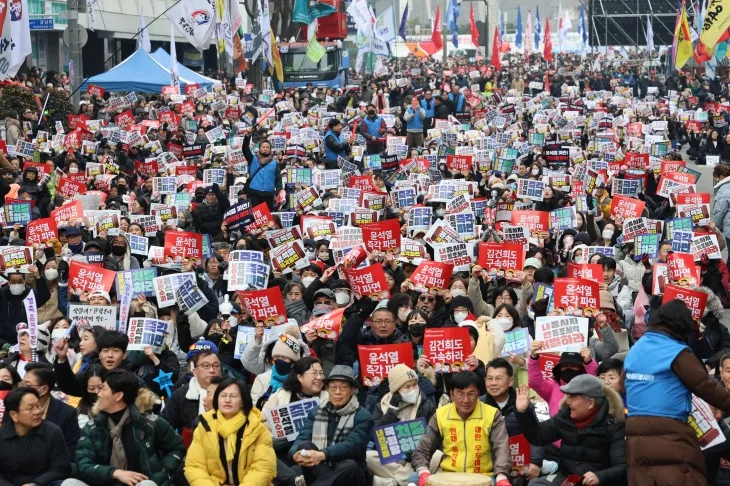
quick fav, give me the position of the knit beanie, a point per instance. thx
(461, 301)
(289, 344)
(399, 375)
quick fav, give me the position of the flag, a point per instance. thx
(403, 22)
(563, 24)
(267, 35)
(473, 26)
(716, 28)
(312, 29)
(436, 33)
(528, 34)
(277, 68)
(239, 53)
(683, 40)
(711, 67)
(452, 18)
(518, 34)
(649, 34)
(91, 6)
(315, 51)
(257, 44)
(174, 76)
(548, 49)
(305, 12)
(385, 25)
(538, 29)
(194, 20)
(15, 29)
(496, 49)
(582, 29)
(143, 35)
(501, 22)
(360, 14)
(225, 34)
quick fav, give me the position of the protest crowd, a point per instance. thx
(498, 274)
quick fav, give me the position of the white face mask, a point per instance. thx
(460, 316)
(535, 171)
(440, 213)
(505, 322)
(58, 334)
(411, 396)
(307, 281)
(50, 274)
(310, 254)
(607, 234)
(73, 170)
(457, 292)
(17, 289)
(342, 298)
(403, 314)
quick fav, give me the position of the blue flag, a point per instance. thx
(501, 24)
(518, 35)
(582, 29)
(452, 16)
(403, 20)
(538, 29)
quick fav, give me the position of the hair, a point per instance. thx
(202, 354)
(44, 372)
(501, 363)
(300, 366)
(288, 288)
(13, 372)
(384, 309)
(13, 399)
(544, 275)
(246, 401)
(112, 339)
(510, 291)
(459, 279)
(721, 170)
(613, 364)
(333, 123)
(665, 243)
(516, 320)
(125, 382)
(464, 379)
(400, 300)
(607, 262)
(416, 312)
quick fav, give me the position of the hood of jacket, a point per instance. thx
(714, 304)
(613, 407)
(614, 283)
(144, 402)
(12, 121)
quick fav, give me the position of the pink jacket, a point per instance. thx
(549, 390)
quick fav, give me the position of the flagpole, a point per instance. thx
(395, 30)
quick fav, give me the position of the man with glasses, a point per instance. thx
(466, 420)
(382, 330)
(41, 378)
(33, 449)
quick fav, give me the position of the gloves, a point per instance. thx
(222, 266)
(422, 478)
(365, 307)
(395, 399)
(63, 270)
(645, 261)
(589, 203)
(503, 482)
(641, 196)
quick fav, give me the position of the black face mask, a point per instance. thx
(118, 250)
(199, 199)
(215, 338)
(417, 330)
(567, 375)
(5, 386)
(282, 367)
(264, 154)
(121, 190)
(371, 112)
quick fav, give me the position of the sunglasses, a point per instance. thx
(427, 298)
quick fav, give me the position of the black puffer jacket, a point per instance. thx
(12, 311)
(354, 335)
(599, 448)
(208, 219)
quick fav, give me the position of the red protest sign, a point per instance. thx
(76, 121)
(69, 188)
(458, 163)
(125, 119)
(176, 149)
(187, 108)
(150, 169)
(83, 277)
(73, 139)
(501, 259)
(43, 169)
(519, 451)
(431, 277)
(576, 296)
(168, 117)
(681, 177)
(671, 166)
(695, 300)
(183, 244)
(191, 88)
(383, 236)
(587, 271)
(689, 198)
(376, 361)
(536, 221)
(548, 361)
(96, 91)
(364, 183)
(40, 231)
(446, 348)
(681, 270)
(354, 257)
(171, 90)
(68, 214)
(636, 161)
(265, 305)
(368, 282)
(328, 326)
(233, 113)
(626, 207)
(262, 220)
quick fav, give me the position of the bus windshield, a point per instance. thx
(295, 62)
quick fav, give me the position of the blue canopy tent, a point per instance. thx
(139, 72)
(161, 56)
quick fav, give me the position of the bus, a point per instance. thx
(332, 71)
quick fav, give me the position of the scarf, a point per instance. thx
(298, 311)
(277, 380)
(119, 457)
(345, 423)
(227, 428)
(196, 392)
(582, 424)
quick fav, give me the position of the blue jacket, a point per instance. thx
(264, 180)
(331, 155)
(370, 127)
(354, 446)
(414, 120)
(429, 111)
(721, 207)
(459, 103)
(652, 388)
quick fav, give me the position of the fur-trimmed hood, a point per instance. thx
(144, 402)
(714, 304)
(616, 407)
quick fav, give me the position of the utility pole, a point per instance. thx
(75, 38)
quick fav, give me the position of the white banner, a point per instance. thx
(15, 28)
(360, 14)
(31, 313)
(385, 25)
(195, 20)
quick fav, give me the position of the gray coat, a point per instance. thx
(721, 208)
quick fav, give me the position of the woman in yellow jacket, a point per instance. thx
(233, 430)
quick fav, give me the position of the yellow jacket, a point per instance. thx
(256, 463)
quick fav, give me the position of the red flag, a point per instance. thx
(496, 49)
(436, 35)
(548, 50)
(473, 26)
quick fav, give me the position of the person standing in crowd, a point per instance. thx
(265, 178)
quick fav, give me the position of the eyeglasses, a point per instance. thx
(232, 396)
(207, 366)
(316, 374)
(34, 408)
(427, 298)
(460, 395)
(383, 322)
(339, 389)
